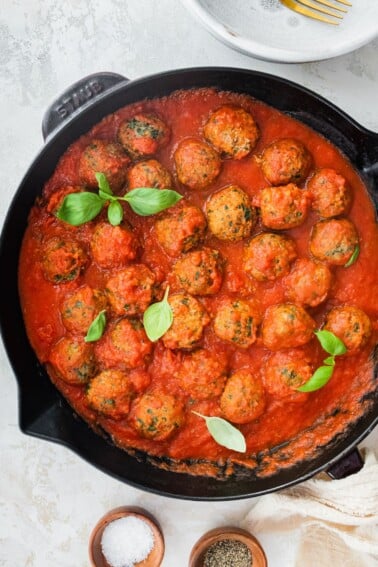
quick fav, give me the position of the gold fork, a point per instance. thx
(319, 7)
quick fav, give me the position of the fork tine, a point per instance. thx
(292, 5)
(330, 5)
(314, 6)
(345, 2)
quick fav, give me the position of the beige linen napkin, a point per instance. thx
(330, 523)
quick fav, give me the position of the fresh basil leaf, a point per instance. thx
(78, 208)
(103, 183)
(224, 433)
(105, 196)
(97, 328)
(319, 379)
(353, 257)
(146, 201)
(330, 343)
(157, 318)
(115, 213)
(330, 361)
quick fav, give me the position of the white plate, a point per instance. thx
(267, 30)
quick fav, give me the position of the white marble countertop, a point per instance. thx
(50, 498)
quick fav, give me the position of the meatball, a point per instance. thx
(113, 246)
(349, 324)
(199, 272)
(104, 157)
(73, 360)
(124, 345)
(109, 393)
(56, 199)
(330, 194)
(230, 214)
(189, 320)
(197, 163)
(284, 372)
(308, 283)
(268, 256)
(236, 321)
(243, 398)
(202, 374)
(180, 228)
(149, 173)
(232, 131)
(81, 307)
(143, 134)
(334, 241)
(157, 415)
(283, 207)
(130, 291)
(62, 260)
(284, 161)
(286, 326)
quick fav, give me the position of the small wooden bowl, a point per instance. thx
(198, 552)
(154, 558)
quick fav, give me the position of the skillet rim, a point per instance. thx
(53, 403)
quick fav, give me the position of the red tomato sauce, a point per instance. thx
(303, 421)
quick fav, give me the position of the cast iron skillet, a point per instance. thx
(43, 412)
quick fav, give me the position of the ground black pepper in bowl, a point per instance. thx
(227, 546)
(228, 553)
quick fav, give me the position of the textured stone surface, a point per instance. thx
(50, 498)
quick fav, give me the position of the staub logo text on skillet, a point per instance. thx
(77, 98)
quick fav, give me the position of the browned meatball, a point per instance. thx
(230, 214)
(268, 256)
(243, 398)
(143, 135)
(124, 345)
(149, 173)
(284, 161)
(73, 360)
(236, 321)
(349, 324)
(189, 320)
(284, 372)
(62, 260)
(283, 207)
(105, 157)
(330, 194)
(202, 374)
(232, 131)
(286, 326)
(113, 246)
(81, 307)
(334, 241)
(180, 228)
(197, 164)
(130, 291)
(308, 283)
(199, 272)
(110, 393)
(157, 415)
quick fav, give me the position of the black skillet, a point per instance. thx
(43, 412)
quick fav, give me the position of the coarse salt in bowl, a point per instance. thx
(126, 537)
(126, 541)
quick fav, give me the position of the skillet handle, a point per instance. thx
(351, 463)
(76, 97)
